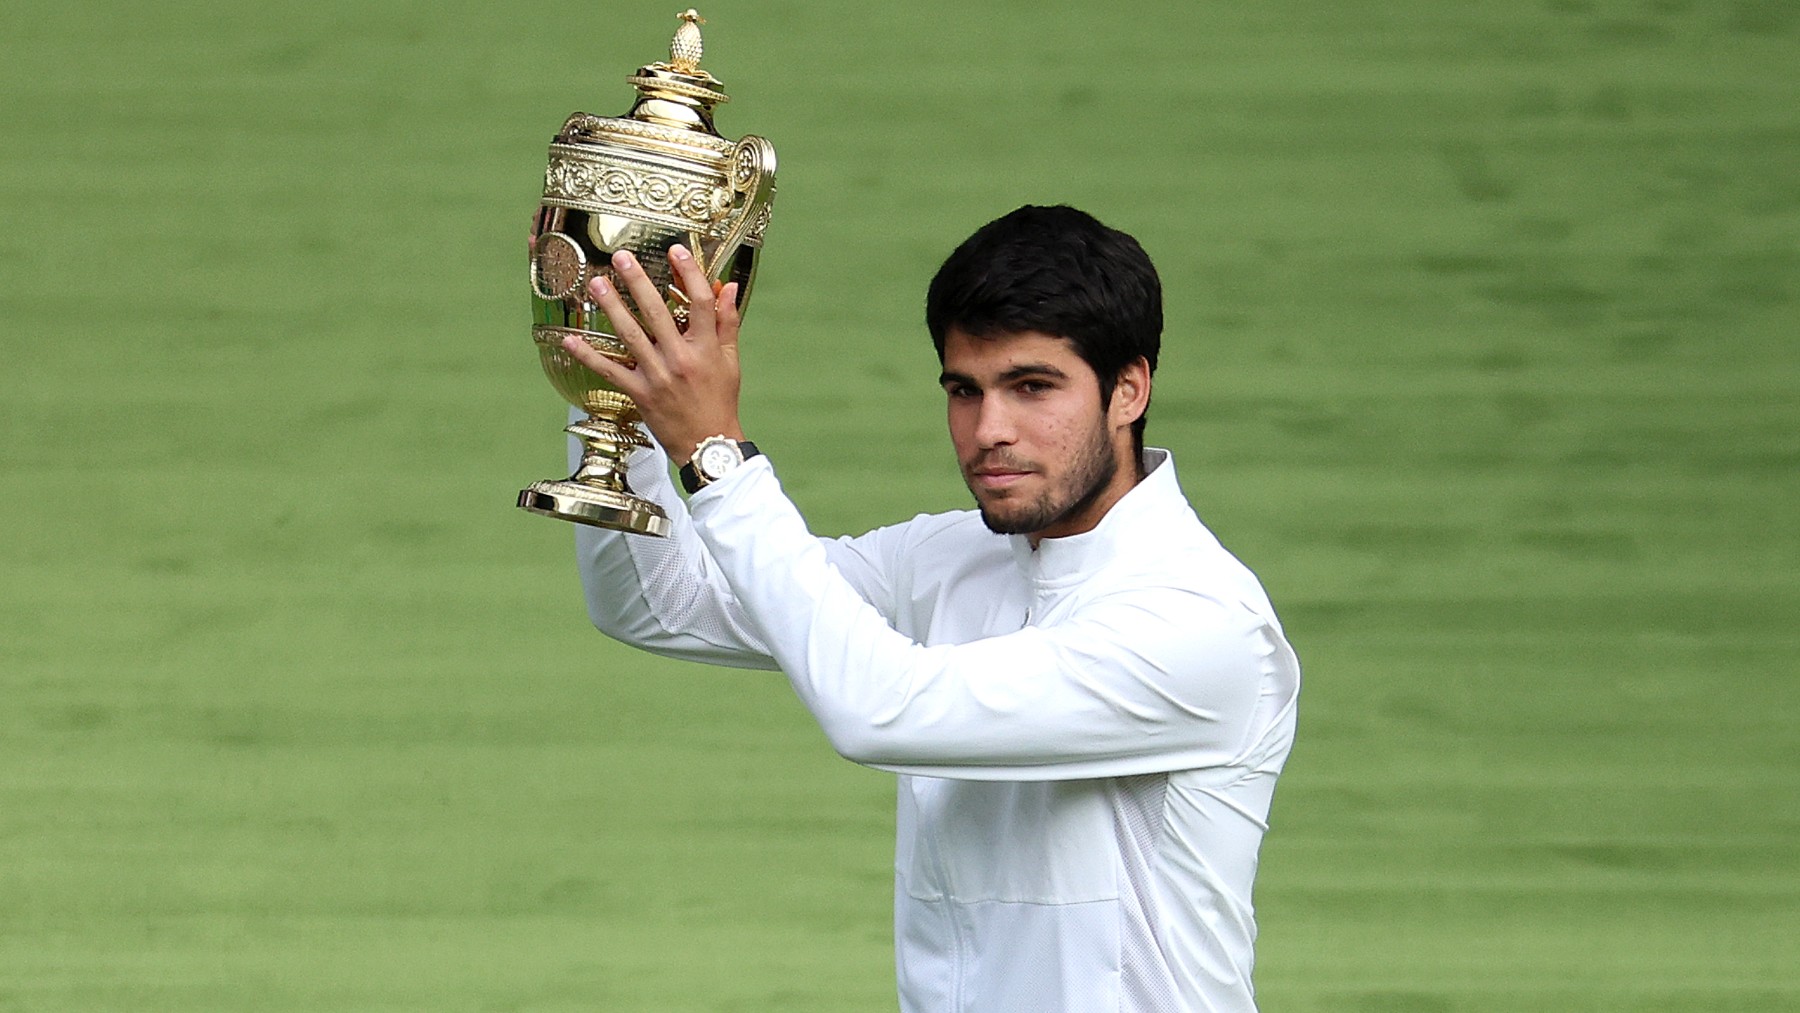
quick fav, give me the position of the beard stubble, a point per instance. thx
(1089, 474)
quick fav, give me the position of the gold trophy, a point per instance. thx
(659, 175)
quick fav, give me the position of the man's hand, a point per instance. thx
(685, 383)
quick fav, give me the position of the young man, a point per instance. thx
(1087, 698)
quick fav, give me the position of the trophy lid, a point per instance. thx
(673, 113)
(677, 93)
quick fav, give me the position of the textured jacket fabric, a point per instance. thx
(1087, 733)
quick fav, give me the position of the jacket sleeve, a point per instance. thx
(668, 596)
(1150, 678)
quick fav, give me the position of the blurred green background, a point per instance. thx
(1481, 350)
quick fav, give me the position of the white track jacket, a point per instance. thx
(1087, 734)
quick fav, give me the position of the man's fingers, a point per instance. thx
(625, 325)
(653, 312)
(728, 315)
(611, 370)
(698, 289)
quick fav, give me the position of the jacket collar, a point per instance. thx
(1146, 507)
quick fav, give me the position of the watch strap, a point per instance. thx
(690, 475)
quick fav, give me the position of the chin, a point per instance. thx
(1009, 523)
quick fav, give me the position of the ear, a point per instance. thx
(1131, 393)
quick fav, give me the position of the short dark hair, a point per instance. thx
(1058, 271)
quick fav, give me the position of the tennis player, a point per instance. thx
(1086, 698)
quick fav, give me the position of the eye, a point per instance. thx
(1036, 387)
(959, 391)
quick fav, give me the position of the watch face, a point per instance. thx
(716, 459)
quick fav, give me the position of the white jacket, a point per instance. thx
(1088, 733)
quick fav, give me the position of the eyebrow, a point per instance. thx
(1018, 372)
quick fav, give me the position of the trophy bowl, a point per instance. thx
(659, 175)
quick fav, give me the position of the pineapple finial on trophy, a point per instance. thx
(685, 49)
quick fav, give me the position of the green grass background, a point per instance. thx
(1481, 350)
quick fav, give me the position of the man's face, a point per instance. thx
(1035, 445)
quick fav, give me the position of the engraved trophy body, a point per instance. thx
(659, 175)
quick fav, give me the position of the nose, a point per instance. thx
(994, 424)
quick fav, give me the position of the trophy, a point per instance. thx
(659, 175)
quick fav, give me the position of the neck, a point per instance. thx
(1087, 513)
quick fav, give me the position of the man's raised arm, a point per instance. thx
(664, 595)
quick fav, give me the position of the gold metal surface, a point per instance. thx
(659, 175)
(685, 49)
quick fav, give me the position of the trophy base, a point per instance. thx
(602, 508)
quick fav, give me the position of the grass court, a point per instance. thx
(1481, 350)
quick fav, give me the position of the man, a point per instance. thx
(1087, 699)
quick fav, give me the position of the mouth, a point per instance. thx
(996, 478)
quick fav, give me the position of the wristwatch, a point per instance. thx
(713, 459)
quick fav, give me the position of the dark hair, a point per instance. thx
(1058, 271)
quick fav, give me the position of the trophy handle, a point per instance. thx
(753, 178)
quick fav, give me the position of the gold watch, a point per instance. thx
(713, 459)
